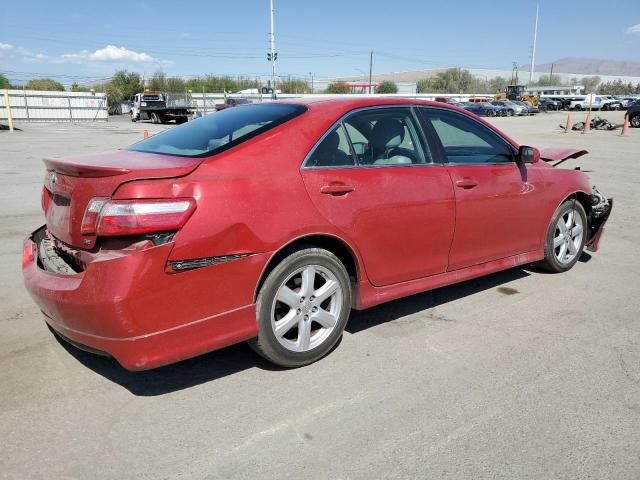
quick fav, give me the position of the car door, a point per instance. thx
(497, 199)
(372, 177)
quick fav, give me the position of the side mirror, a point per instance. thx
(528, 155)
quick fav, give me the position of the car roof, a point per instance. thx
(339, 106)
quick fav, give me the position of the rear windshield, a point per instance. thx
(219, 131)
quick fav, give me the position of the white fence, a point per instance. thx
(44, 106)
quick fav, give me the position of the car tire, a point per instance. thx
(634, 120)
(299, 322)
(563, 243)
(155, 118)
(510, 112)
(491, 113)
(577, 107)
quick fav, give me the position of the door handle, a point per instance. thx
(336, 190)
(466, 183)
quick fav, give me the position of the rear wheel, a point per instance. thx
(302, 308)
(491, 113)
(634, 120)
(566, 237)
(155, 118)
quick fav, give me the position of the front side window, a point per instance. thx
(466, 141)
(219, 131)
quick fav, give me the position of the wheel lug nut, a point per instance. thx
(306, 317)
(299, 311)
(312, 298)
(314, 309)
(301, 299)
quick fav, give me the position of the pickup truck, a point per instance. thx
(633, 113)
(159, 107)
(583, 104)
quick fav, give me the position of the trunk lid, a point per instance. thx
(71, 182)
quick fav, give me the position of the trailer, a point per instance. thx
(161, 107)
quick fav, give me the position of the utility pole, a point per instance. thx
(370, 70)
(272, 55)
(311, 75)
(551, 73)
(535, 39)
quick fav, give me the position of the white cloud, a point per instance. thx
(5, 46)
(110, 53)
(633, 29)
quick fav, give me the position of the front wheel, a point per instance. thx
(565, 238)
(302, 308)
(635, 120)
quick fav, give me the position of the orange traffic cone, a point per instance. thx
(567, 128)
(587, 124)
(625, 126)
(145, 134)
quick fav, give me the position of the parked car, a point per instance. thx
(270, 222)
(484, 109)
(633, 114)
(510, 107)
(549, 104)
(565, 103)
(528, 109)
(611, 103)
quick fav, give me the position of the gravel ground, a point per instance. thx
(518, 375)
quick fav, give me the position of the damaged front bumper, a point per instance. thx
(599, 214)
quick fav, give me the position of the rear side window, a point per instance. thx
(333, 151)
(219, 131)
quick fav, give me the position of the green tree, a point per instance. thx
(290, 85)
(44, 84)
(175, 84)
(338, 87)
(590, 83)
(547, 80)
(497, 85)
(387, 87)
(158, 81)
(122, 86)
(75, 87)
(451, 80)
(4, 82)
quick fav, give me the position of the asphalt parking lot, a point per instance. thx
(518, 375)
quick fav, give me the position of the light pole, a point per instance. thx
(535, 39)
(311, 75)
(272, 55)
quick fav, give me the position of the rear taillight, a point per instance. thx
(28, 253)
(105, 217)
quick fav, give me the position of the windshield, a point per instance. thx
(219, 131)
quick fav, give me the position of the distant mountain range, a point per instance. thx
(590, 66)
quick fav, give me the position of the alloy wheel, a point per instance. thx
(567, 238)
(306, 308)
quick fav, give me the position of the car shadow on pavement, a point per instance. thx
(175, 377)
(236, 358)
(387, 312)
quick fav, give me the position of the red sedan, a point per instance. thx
(270, 222)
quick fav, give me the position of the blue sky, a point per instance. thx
(84, 41)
